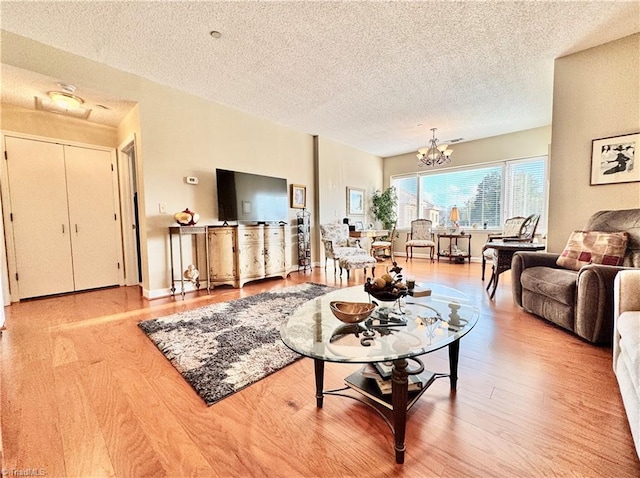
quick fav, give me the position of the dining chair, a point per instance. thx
(517, 228)
(384, 244)
(421, 235)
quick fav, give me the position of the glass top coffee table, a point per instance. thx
(395, 334)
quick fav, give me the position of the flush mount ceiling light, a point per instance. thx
(435, 154)
(65, 98)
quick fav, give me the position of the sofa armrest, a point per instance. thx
(328, 247)
(523, 260)
(625, 299)
(353, 242)
(627, 295)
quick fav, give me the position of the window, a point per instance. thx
(525, 188)
(484, 195)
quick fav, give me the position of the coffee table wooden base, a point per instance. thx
(399, 393)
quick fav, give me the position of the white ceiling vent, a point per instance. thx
(46, 104)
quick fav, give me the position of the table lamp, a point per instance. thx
(454, 217)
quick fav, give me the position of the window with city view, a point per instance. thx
(485, 196)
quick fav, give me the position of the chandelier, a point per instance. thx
(435, 154)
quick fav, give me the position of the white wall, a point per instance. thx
(341, 166)
(521, 144)
(596, 95)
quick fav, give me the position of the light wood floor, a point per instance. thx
(85, 393)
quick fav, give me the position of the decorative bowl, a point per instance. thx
(387, 294)
(351, 312)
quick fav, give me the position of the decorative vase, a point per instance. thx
(186, 217)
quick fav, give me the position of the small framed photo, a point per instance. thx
(359, 226)
(298, 196)
(355, 201)
(613, 160)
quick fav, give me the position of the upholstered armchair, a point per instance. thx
(517, 229)
(421, 235)
(337, 243)
(575, 289)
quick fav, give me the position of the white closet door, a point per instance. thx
(92, 215)
(38, 192)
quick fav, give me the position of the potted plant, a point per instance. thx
(384, 206)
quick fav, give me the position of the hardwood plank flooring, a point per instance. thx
(84, 393)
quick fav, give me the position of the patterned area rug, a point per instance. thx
(221, 348)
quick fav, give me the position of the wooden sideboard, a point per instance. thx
(240, 254)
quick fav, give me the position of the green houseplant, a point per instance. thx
(384, 206)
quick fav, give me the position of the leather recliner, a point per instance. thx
(580, 301)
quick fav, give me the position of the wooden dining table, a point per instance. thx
(503, 256)
(369, 233)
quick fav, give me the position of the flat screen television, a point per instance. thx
(251, 198)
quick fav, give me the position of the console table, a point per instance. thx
(430, 323)
(453, 240)
(192, 231)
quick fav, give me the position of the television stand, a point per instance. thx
(243, 253)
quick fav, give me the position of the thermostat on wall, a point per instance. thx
(191, 180)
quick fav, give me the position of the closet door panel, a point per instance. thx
(37, 188)
(92, 216)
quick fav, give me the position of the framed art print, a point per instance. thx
(613, 160)
(355, 202)
(298, 196)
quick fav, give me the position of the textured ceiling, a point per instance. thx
(366, 74)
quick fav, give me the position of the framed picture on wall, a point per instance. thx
(298, 196)
(613, 160)
(355, 202)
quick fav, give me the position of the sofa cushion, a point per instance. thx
(593, 247)
(559, 284)
(621, 220)
(628, 326)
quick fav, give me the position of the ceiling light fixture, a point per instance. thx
(435, 154)
(65, 98)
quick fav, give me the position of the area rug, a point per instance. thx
(222, 348)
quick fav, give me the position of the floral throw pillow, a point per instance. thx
(593, 247)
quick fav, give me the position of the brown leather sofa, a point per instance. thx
(580, 301)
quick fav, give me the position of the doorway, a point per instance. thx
(127, 158)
